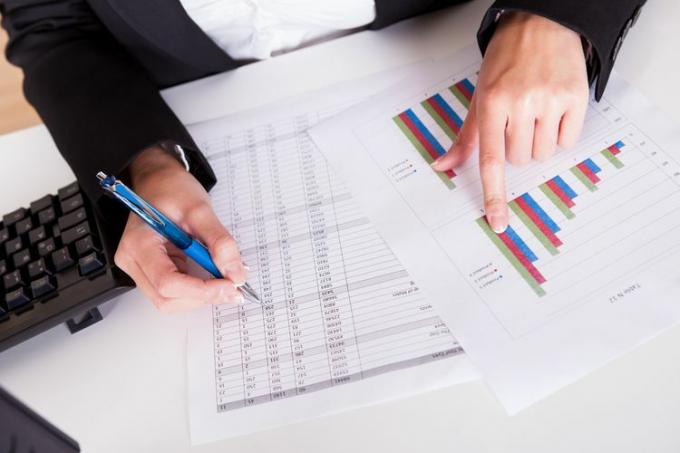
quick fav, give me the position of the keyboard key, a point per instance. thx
(23, 226)
(21, 258)
(4, 235)
(37, 269)
(41, 203)
(75, 233)
(72, 203)
(16, 299)
(12, 280)
(46, 247)
(73, 218)
(89, 263)
(36, 235)
(43, 285)
(61, 259)
(68, 191)
(47, 216)
(3, 267)
(85, 245)
(13, 245)
(14, 216)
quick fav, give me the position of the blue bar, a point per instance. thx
(592, 165)
(619, 144)
(541, 213)
(520, 244)
(426, 133)
(565, 187)
(447, 108)
(469, 85)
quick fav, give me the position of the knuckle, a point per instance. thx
(168, 203)
(489, 161)
(572, 96)
(493, 200)
(518, 159)
(492, 93)
(226, 246)
(199, 210)
(543, 154)
(121, 258)
(166, 285)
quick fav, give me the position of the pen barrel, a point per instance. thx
(199, 253)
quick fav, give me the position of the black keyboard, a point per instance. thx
(56, 266)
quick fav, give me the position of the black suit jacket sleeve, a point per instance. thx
(603, 23)
(97, 102)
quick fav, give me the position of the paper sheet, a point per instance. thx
(342, 324)
(589, 267)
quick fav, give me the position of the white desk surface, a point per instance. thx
(120, 385)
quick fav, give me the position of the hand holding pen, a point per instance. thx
(155, 263)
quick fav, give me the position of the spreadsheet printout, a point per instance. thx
(588, 266)
(341, 323)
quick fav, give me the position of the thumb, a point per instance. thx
(468, 141)
(223, 248)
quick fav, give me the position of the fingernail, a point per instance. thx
(436, 163)
(497, 223)
(237, 299)
(246, 267)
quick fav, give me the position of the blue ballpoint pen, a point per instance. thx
(191, 247)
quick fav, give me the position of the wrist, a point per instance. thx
(153, 161)
(533, 24)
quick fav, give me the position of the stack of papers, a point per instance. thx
(376, 272)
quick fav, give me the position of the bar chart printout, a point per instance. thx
(445, 123)
(541, 225)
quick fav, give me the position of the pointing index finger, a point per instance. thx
(492, 166)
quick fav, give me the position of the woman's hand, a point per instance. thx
(532, 95)
(155, 264)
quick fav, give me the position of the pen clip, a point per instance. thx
(131, 200)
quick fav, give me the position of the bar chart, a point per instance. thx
(434, 125)
(539, 223)
(587, 226)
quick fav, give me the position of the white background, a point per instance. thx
(120, 385)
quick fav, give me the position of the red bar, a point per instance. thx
(589, 173)
(438, 108)
(539, 223)
(430, 150)
(463, 89)
(614, 149)
(423, 141)
(557, 190)
(522, 258)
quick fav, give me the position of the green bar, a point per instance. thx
(612, 159)
(510, 257)
(568, 213)
(460, 96)
(422, 151)
(534, 229)
(583, 178)
(440, 121)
